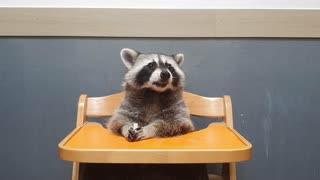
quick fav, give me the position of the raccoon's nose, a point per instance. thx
(165, 75)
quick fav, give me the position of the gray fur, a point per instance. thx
(158, 112)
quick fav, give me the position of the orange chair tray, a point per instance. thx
(93, 143)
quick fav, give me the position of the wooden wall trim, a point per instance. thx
(111, 22)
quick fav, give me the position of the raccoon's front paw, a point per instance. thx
(135, 134)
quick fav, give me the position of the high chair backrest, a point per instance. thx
(210, 107)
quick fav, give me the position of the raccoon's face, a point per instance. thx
(154, 71)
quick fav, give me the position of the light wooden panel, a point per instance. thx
(204, 106)
(198, 105)
(268, 23)
(108, 22)
(103, 106)
(105, 22)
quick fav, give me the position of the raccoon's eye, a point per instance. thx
(168, 65)
(151, 65)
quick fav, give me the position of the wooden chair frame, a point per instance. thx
(213, 107)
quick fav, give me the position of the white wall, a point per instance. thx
(171, 4)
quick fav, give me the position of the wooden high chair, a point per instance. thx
(90, 142)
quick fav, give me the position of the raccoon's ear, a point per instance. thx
(179, 58)
(128, 56)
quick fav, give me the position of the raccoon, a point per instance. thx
(153, 105)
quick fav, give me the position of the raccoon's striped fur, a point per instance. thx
(153, 105)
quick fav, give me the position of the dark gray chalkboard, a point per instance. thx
(274, 84)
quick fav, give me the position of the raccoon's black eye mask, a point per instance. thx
(152, 65)
(169, 66)
(145, 73)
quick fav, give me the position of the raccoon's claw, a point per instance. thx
(131, 135)
(135, 134)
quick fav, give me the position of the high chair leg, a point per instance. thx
(229, 171)
(232, 171)
(75, 171)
